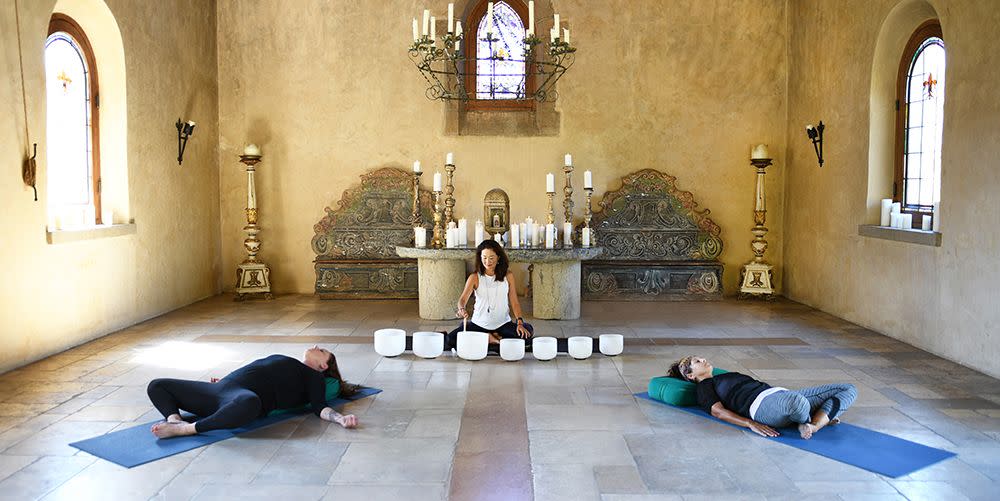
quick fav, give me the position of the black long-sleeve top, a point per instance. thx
(281, 383)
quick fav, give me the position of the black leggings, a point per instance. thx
(220, 405)
(507, 330)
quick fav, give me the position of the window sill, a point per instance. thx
(919, 237)
(92, 233)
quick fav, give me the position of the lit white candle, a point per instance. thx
(886, 210)
(449, 158)
(566, 35)
(427, 22)
(437, 181)
(416, 166)
(433, 28)
(251, 150)
(759, 151)
(416, 30)
(588, 180)
(555, 19)
(568, 234)
(585, 237)
(451, 18)
(531, 16)
(569, 159)
(550, 183)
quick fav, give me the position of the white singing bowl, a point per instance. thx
(472, 345)
(428, 344)
(612, 344)
(544, 348)
(512, 349)
(390, 342)
(581, 347)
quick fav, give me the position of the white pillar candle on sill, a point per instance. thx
(523, 228)
(498, 238)
(886, 210)
(480, 233)
(515, 236)
(585, 237)
(568, 234)
(894, 220)
(419, 237)
(463, 232)
(936, 221)
(925, 223)
(897, 208)
(550, 236)
(907, 221)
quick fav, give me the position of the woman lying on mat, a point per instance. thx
(252, 391)
(744, 401)
(496, 297)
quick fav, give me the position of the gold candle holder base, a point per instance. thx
(437, 240)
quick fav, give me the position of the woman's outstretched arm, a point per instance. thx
(470, 285)
(348, 421)
(720, 411)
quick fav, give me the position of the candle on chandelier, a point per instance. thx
(416, 31)
(555, 19)
(449, 158)
(451, 18)
(531, 16)
(416, 166)
(553, 35)
(458, 30)
(550, 183)
(433, 26)
(569, 159)
(566, 35)
(437, 181)
(427, 21)
(588, 180)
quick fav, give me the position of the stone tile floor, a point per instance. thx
(447, 428)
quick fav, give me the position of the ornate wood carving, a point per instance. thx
(355, 243)
(657, 244)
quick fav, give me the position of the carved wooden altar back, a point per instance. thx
(355, 243)
(657, 244)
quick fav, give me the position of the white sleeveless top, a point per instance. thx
(492, 309)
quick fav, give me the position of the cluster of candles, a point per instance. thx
(893, 217)
(428, 29)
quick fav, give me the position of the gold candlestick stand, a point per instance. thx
(757, 276)
(587, 215)
(252, 276)
(416, 199)
(449, 191)
(437, 240)
(568, 198)
(551, 215)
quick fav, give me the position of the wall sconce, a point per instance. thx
(816, 135)
(184, 131)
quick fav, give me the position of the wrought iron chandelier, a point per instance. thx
(445, 64)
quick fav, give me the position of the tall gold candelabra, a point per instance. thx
(252, 276)
(449, 191)
(437, 241)
(568, 195)
(756, 276)
(551, 216)
(416, 199)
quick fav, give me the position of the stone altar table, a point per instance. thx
(555, 278)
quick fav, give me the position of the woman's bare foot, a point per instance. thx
(168, 429)
(174, 418)
(494, 338)
(806, 430)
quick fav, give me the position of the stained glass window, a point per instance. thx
(924, 102)
(500, 61)
(69, 135)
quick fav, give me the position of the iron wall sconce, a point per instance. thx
(816, 135)
(184, 131)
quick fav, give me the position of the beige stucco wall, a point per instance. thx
(328, 92)
(57, 296)
(942, 299)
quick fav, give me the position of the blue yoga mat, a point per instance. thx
(867, 449)
(137, 445)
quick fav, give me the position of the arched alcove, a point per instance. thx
(904, 18)
(97, 21)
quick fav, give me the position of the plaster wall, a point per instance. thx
(941, 299)
(57, 296)
(327, 90)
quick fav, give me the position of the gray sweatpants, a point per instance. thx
(793, 407)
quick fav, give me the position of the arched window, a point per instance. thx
(74, 175)
(496, 75)
(920, 96)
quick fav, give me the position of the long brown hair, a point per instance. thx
(503, 264)
(346, 389)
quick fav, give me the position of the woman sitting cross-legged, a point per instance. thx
(496, 298)
(744, 401)
(252, 391)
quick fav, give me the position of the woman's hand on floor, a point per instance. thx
(762, 429)
(348, 421)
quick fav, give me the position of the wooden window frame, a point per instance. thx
(928, 29)
(63, 23)
(470, 47)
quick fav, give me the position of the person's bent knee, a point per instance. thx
(798, 409)
(155, 386)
